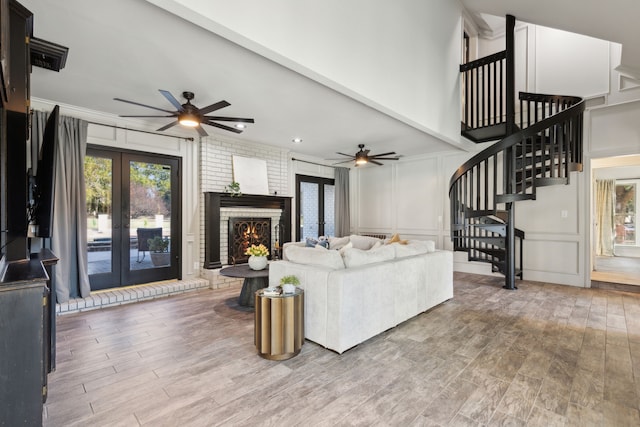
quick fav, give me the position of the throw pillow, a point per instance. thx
(312, 243)
(323, 241)
(396, 239)
(338, 242)
(363, 242)
(313, 256)
(356, 257)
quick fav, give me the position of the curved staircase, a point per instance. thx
(541, 149)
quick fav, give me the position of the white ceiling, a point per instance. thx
(130, 49)
(612, 20)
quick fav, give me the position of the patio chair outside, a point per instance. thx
(144, 234)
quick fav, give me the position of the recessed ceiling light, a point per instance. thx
(240, 126)
(297, 140)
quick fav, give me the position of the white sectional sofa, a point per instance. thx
(356, 293)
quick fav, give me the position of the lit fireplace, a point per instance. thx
(244, 232)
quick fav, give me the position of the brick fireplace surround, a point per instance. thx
(213, 202)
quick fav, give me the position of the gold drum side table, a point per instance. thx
(279, 324)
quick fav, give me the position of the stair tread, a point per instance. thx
(486, 133)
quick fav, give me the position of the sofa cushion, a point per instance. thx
(338, 242)
(363, 242)
(355, 257)
(345, 248)
(413, 247)
(314, 256)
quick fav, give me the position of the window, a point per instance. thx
(625, 213)
(315, 209)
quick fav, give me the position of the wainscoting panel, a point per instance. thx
(375, 197)
(555, 210)
(416, 208)
(551, 256)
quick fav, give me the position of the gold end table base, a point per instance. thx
(279, 324)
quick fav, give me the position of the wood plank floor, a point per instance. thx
(543, 355)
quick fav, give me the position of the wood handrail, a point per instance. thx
(511, 140)
(483, 61)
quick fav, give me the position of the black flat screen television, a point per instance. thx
(46, 175)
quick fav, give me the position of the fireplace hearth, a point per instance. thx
(244, 232)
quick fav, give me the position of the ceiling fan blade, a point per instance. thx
(366, 152)
(229, 119)
(344, 161)
(173, 115)
(384, 158)
(213, 107)
(218, 125)
(142, 105)
(348, 155)
(171, 99)
(201, 131)
(374, 162)
(390, 153)
(165, 127)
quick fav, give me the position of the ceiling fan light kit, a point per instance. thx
(188, 120)
(189, 115)
(361, 159)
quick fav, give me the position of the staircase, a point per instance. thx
(539, 147)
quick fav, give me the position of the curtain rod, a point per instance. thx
(313, 163)
(141, 131)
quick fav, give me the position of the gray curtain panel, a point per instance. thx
(605, 213)
(69, 234)
(342, 217)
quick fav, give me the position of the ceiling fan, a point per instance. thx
(189, 115)
(362, 157)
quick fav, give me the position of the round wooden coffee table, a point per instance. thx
(253, 280)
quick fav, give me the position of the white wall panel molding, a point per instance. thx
(552, 256)
(556, 209)
(615, 130)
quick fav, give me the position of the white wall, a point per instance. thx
(401, 57)
(570, 64)
(406, 197)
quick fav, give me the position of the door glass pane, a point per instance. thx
(329, 210)
(309, 210)
(625, 215)
(98, 175)
(149, 215)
